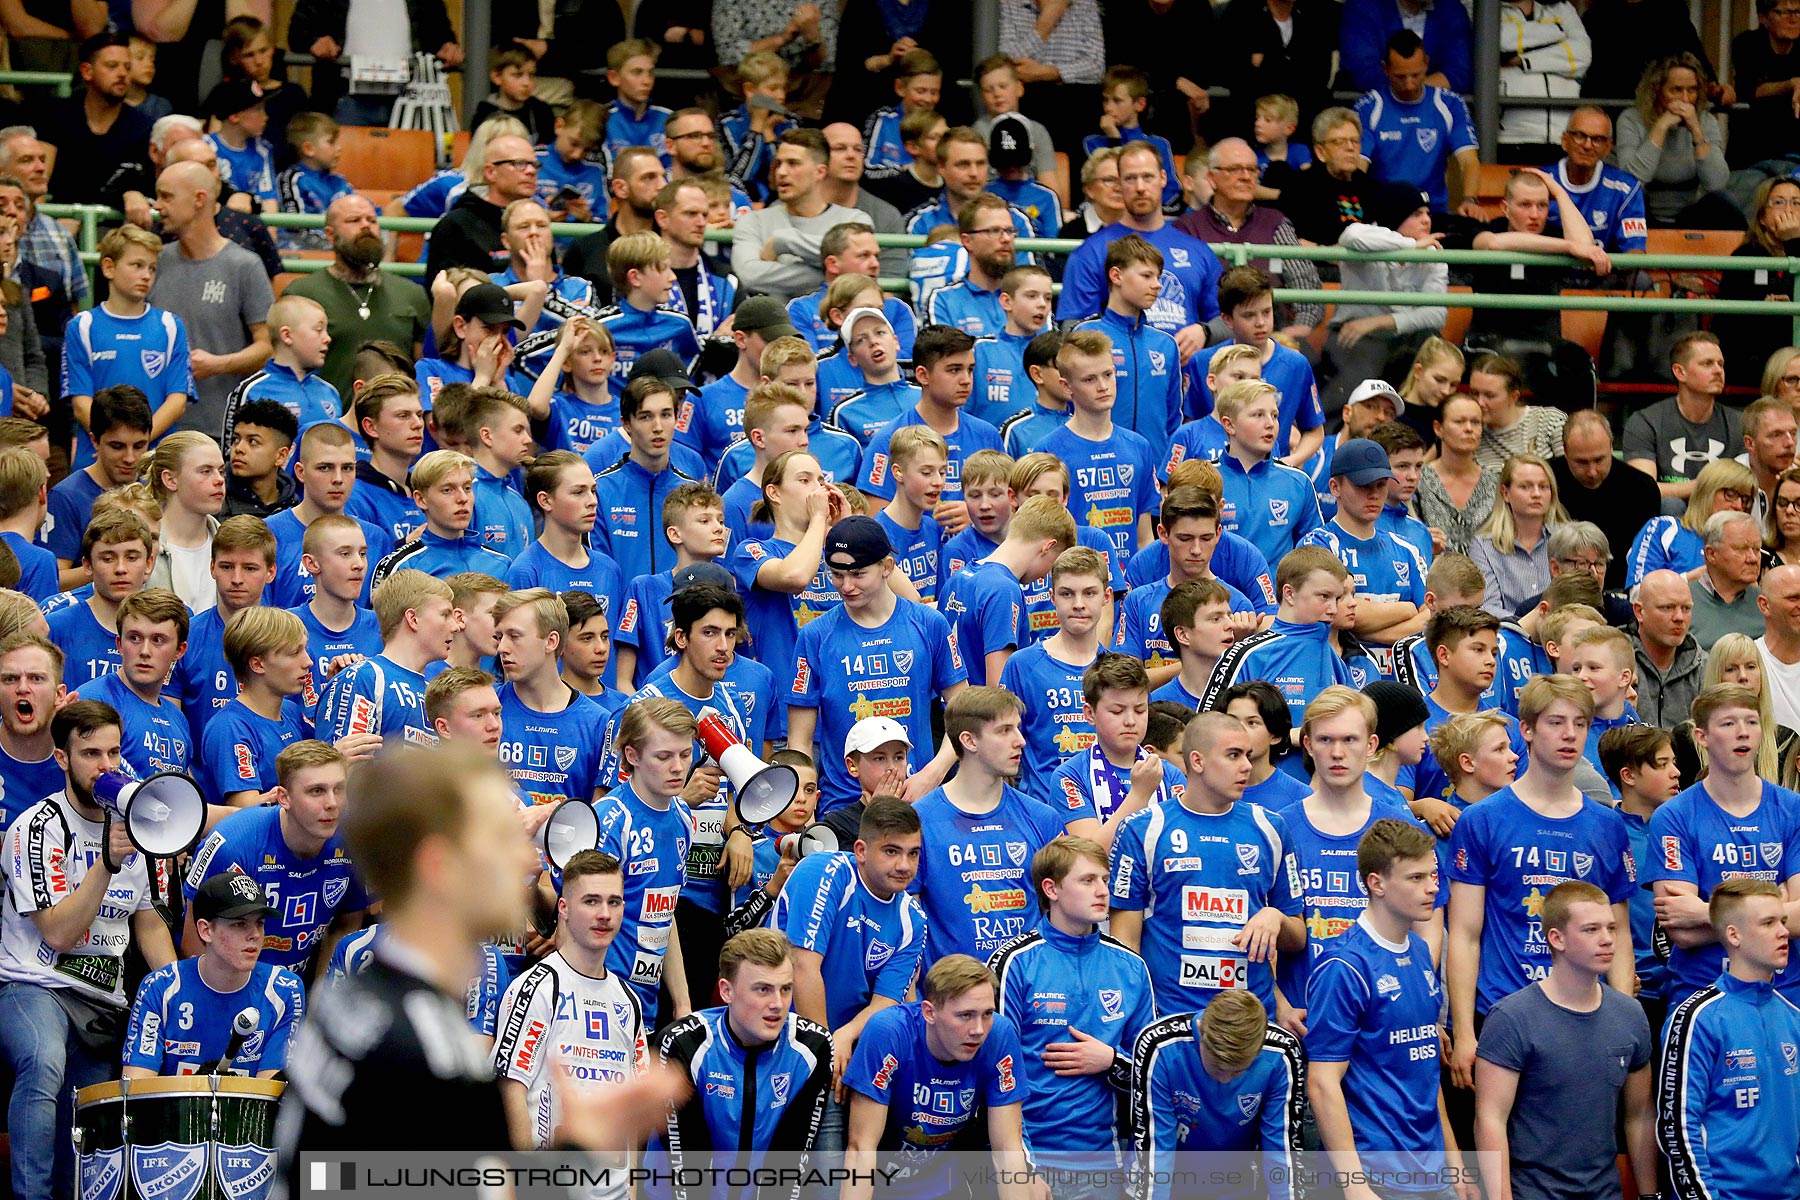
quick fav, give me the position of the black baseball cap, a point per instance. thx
(701, 573)
(856, 542)
(1009, 142)
(489, 304)
(233, 97)
(764, 315)
(229, 896)
(665, 365)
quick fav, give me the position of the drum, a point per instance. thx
(188, 1137)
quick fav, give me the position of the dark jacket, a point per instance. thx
(468, 236)
(1664, 698)
(240, 498)
(314, 19)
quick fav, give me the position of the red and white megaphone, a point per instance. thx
(763, 791)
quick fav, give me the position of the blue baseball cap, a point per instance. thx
(856, 542)
(1362, 462)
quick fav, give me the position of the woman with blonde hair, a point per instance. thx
(1734, 658)
(1675, 543)
(1669, 140)
(1781, 375)
(1773, 235)
(186, 474)
(1513, 546)
(1435, 376)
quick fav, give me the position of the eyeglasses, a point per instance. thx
(1593, 566)
(999, 231)
(1240, 170)
(1788, 504)
(1588, 139)
(705, 134)
(517, 164)
(1790, 381)
(1342, 141)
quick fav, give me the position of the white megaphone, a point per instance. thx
(570, 829)
(763, 792)
(164, 814)
(814, 839)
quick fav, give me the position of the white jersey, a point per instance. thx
(552, 1014)
(49, 850)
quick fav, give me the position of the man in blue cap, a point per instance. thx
(1388, 573)
(876, 655)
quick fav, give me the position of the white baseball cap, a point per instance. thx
(1369, 389)
(848, 329)
(873, 732)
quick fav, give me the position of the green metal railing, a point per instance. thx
(92, 215)
(61, 82)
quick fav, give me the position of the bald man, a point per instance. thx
(1669, 661)
(362, 302)
(218, 288)
(1780, 642)
(233, 214)
(1595, 486)
(469, 234)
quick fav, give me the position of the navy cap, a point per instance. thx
(699, 573)
(1362, 462)
(230, 895)
(665, 365)
(856, 542)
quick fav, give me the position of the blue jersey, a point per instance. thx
(1612, 202)
(887, 154)
(1087, 785)
(1002, 388)
(975, 871)
(1040, 609)
(971, 308)
(551, 756)
(807, 314)
(1054, 724)
(1170, 863)
(1190, 278)
(715, 296)
(442, 557)
(1040, 205)
(1663, 544)
(304, 189)
(38, 573)
(1402, 526)
(1652, 963)
(71, 507)
(293, 585)
(865, 409)
(1591, 751)
(928, 1101)
(156, 735)
(501, 519)
(1111, 483)
(1331, 891)
(625, 129)
(1297, 659)
(1374, 1004)
(90, 650)
(1411, 144)
(933, 213)
(312, 400)
(1518, 855)
(575, 425)
(1519, 659)
(1287, 371)
(377, 695)
(1270, 504)
(986, 608)
(1052, 982)
(1128, 134)
(849, 671)
(251, 169)
(1147, 366)
(1728, 1112)
(636, 331)
(1138, 629)
(239, 748)
(1234, 561)
(1384, 568)
(203, 680)
(383, 502)
(357, 950)
(1176, 1104)
(23, 784)
(750, 156)
(1281, 790)
(308, 894)
(1427, 778)
(969, 546)
(972, 434)
(643, 623)
(434, 197)
(916, 552)
(1203, 438)
(1026, 429)
(776, 618)
(102, 350)
(600, 578)
(362, 636)
(585, 179)
(839, 454)
(653, 843)
(179, 1023)
(1691, 839)
(629, 527)
(708, 423)
(868, 946)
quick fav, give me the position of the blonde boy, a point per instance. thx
(1267, 502)
(987, 490)
(443, 487)
(125, 340)
(1601, 657)
(1277, 117)
(985, 601)
(776, 420)
(1205, 437)
(751, 131)
(118, 548)
(385, 695)
(298, 329)
(638, 266)
(1002, 382)
(693, 518)
(24, 499)
(1474, 750)
(632, 119)
(266, 650)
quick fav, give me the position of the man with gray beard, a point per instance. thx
(362, 302)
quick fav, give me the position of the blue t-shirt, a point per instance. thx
(576, 425)
(157, 738)
(1411, 144)
(71, 507)
(971, 308)
(363, 636)
(869, 946)
(654, 841)
(986, 607)
(293, 585)
(39, 576)
(376, 695)
(102, 350)
(1612, 202)
(551, 756)
(776, 618)
(1190, 278)
(1138, 628)
(308, 894)
(1374, 1004)
(178, 1022)
(848, 671)
(916, 552)
(1054, 723)
(708, 423)
(1111, 483)
(357, 950)
(239, 748)
(501, 516)
(1088, 786)
(90, 650)
(971, 435)
(975, 871)
(1002, 388)
(202, 680)
(1172, 864)
(23, 784)
(1287, 371)
(1518, 855)
(861, 409)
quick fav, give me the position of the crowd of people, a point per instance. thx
(1218, 724)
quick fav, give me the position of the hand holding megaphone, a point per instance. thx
(163, 815)
(763, 792)
(814, 839)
